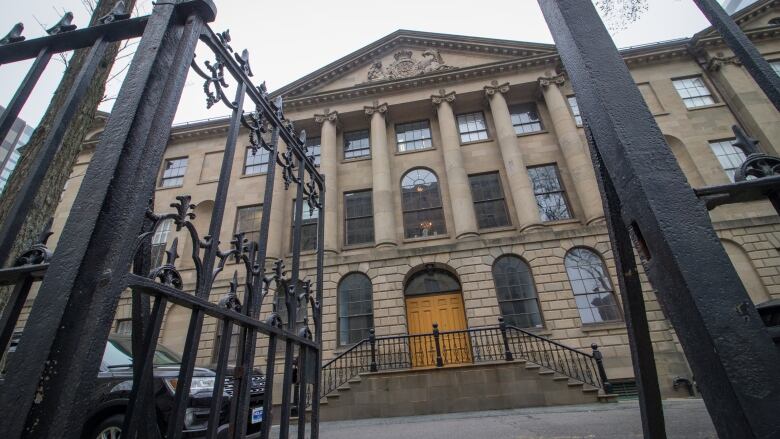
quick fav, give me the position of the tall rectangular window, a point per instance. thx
(575, 110)
(525, 118)
(729, 156)
(775, 66)
(160, 241)
(412, 136)
(256, 162)
(358, 217)
(248, 222)
(693, 91)
(308, 227)
(357, 144)
(489, 204)
(472, 127)
(313, 145)
(124, 327)
(173, 174)
(550, 196)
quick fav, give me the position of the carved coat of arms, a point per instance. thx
(405, 66)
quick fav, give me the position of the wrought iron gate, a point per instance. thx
(104, 248)
(651, 208)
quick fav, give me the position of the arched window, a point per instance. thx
(421, 203)
(356, 311)
(516, 292)
(591, 286)
(431, 281)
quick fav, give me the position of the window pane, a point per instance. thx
(308, 227)
(256, 162)
(591, 286)
(549, 193)
(472, 127)
(314, 149)
(359, 217)
(516, 292)
(355, 308)
(729, 156)
(160, 241)
(248, 222)
(421, 203)
(356, 144)
(693, 91)
(575, 110)
(489, 204)
(413, 136)
(173, 174)
(525, 118)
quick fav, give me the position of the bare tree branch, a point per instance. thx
(618, 14)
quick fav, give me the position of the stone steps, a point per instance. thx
(485, 386)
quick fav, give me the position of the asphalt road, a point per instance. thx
(685, 419)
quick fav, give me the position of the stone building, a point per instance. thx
(458, 165)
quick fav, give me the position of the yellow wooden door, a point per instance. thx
(446, 310)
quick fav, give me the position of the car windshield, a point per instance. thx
(118, 354)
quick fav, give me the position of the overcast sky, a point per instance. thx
(289, 39)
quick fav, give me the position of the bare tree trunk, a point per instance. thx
(57, 175)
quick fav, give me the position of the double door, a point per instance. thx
(446, 310)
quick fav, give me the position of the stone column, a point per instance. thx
(750, 105)
(329, 165)
(574, 151)
(279, 209)
(457, 180)
(382, 191)
(516, 171)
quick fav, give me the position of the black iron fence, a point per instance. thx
(105, 246)
(475, 345)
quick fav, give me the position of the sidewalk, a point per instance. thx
(685, 419)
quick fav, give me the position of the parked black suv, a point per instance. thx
(114, 382)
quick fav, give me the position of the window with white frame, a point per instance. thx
(525, 118)
(693, 91)
(173, 174)
(309, 219)
(256, 161)
(357, 144)
(729, 156)
(160, 241)
(314, 149)
(412, 136)
(472, 127)
(575, 110)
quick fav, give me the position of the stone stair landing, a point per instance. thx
(469, 387)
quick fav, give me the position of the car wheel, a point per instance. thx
(109, 428)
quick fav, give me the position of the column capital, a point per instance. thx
(495, 87)
(378, 108)
(330, 116)
(716, 62)
(443, 97)
(546, 81)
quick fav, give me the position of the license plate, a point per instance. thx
(257, 415)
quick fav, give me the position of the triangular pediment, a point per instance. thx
(407, 54)
(756, 16)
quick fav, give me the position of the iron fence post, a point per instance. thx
(600, 365)
(439, 360)
(507, 352)
(372, 340)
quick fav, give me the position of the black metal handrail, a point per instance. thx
(500, 342)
